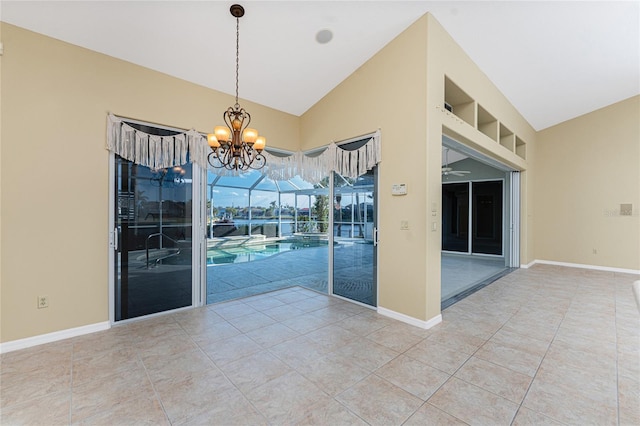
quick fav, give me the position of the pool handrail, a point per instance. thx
(146, 245)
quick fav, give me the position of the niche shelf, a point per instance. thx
(521, 148)
(507, 138)
(465, 108)
(487, 123)
(459, 103)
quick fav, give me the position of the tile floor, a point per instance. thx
(547, 345)
(461, 272)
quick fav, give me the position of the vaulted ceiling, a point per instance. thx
(552, 60)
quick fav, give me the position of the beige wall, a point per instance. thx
(586, 168)
(446, 58)
(388, 93)
(54, 174)
(401, 91)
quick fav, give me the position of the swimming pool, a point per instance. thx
(254, 252)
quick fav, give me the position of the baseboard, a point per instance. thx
(410, 320)
(583, 266)
(28, 342)
(528, 265)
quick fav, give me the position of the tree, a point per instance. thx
(270, 212)
(321, 207)
(321, 212)
(232, 211)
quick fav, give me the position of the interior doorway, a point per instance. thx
(479, 222)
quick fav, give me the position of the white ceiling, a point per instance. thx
(449, 156)
(552, 60)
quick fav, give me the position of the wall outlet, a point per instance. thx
(43, 302)
(404, 225)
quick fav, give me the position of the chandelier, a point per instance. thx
(170, 177)
(236, 146)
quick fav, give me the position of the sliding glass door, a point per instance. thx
(355, 238)
(477, 206)
(152, 239)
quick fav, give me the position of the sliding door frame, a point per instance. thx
(198, 241)
(511, 201)
(331, 225)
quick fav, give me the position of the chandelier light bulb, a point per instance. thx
(249, 136)
(261, 142)
(222, 133)
(213, 141)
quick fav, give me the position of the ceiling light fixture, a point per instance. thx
(236, 146)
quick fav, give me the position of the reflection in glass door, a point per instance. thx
(355, 237)
(153, 221)
(487, 217)
(455, 217)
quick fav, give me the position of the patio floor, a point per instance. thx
(306, 267)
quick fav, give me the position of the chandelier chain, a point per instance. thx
(237, 105)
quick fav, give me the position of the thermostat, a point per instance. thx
(399, 189)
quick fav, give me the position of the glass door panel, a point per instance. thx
(153, 219)
(354, 248)
(487, 217)
(455, 217)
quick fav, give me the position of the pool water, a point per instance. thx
(251, 253)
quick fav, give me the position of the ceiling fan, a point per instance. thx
(448, 171)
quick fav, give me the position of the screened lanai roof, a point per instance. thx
(256, 180)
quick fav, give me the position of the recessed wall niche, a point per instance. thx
(507, 138)
(487, 123)
(461, 104)
(521, 148)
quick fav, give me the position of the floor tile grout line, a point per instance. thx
(229, 379)
(294, 369)
(452, 375)
(155, 390)
(291, 367)
(519, 405)
(542, 360)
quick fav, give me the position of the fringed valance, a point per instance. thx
(155, 152)
(158, 152)
(313, 169)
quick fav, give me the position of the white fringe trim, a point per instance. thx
(161, 152)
